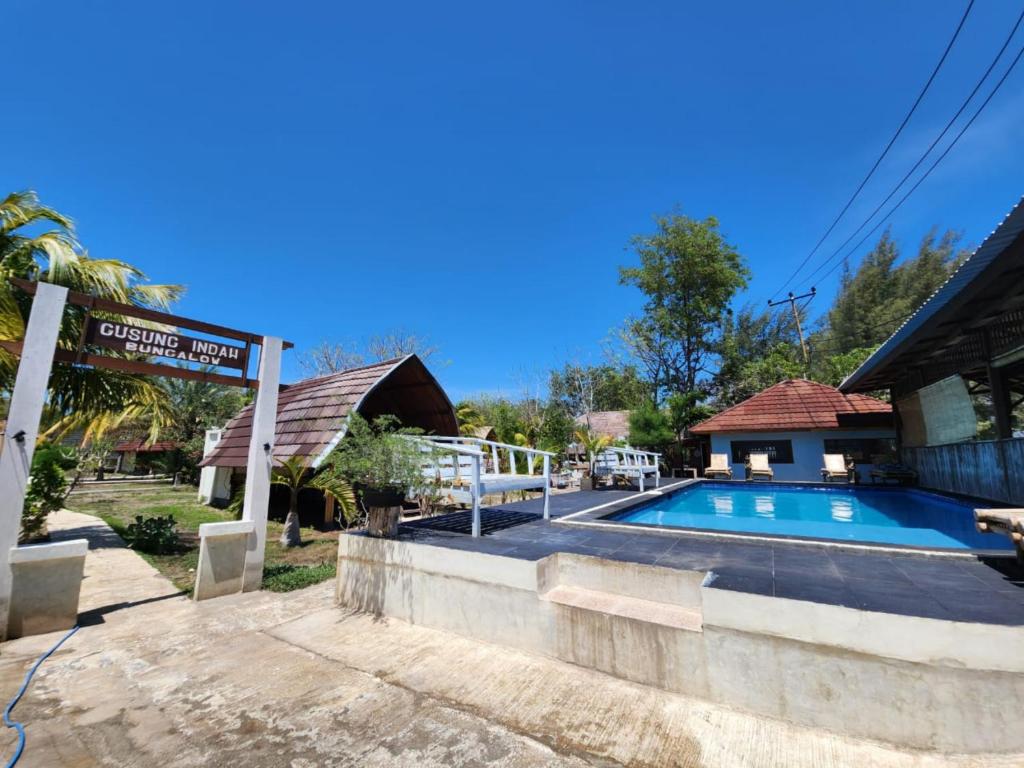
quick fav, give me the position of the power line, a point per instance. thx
(927, 152)
(931, 168)
(917, 101)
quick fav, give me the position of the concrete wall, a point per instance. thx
(922, 683)
(808, 449)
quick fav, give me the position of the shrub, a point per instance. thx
(155, 535)
(47, 487)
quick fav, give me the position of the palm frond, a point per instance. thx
(21, 208)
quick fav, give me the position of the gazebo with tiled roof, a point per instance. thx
(795, 422)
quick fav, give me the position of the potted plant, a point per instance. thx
(383, 466)
(592, 443)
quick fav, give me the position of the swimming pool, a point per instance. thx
(894, 516)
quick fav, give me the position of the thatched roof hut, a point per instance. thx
(312, 414)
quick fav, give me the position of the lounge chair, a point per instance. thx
(835, 468)
(719, 467)
(901, 473)
(758, 467)
(1009, 522)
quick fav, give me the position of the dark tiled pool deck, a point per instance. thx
(969, 589)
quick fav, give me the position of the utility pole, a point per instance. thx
(796, 317)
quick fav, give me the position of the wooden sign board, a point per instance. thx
(146, 341)
(140, 343)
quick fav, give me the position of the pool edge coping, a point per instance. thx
(641, 497)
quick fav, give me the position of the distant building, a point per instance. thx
(139, 457)
(797, 421)
(614, 424)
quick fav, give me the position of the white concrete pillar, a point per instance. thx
(260, 464)
(208, 475)
(30, 386)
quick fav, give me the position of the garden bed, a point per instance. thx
(285, 569)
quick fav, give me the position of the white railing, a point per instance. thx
(474, 464)
(629, 462)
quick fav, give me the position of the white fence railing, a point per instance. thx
(469, 468)
(629, 462)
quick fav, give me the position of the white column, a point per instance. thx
(208, 475)
(476, 494)
(547, 486)
(260, 465)
(30, 386)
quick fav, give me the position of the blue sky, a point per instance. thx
(473, 172)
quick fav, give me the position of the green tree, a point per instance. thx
(195, 407)
(688, 274)
(749, 337)
(585, 388)
(93, 399)
(649, 427)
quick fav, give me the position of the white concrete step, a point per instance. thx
(635, 608)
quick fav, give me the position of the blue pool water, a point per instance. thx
(899, 516)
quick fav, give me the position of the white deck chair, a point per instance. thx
(758, 467)
(719, 466)
(835, 467)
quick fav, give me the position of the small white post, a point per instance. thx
(260, 464)
(476, 496)
(547, 485)
(27, 399)
(657, 470)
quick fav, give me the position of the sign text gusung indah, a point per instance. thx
(146, 341)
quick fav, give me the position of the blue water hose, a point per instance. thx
(19, 727)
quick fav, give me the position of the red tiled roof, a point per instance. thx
(140, 446)
(312, 413)
(796, 404)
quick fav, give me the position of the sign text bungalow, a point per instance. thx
(147, 341)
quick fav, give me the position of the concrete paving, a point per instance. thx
(267, 679)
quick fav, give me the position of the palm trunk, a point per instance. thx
(290, 536)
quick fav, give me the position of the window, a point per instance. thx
(779, 451)
(862, 448)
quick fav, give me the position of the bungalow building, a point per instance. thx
(140, 457)
(955, 372)
(797, 421)
(312, 417)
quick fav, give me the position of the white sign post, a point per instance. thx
(260, 464)
(27, 400)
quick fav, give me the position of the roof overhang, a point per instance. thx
(974, 317)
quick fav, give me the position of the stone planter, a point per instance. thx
(382, 522)
(587, 483)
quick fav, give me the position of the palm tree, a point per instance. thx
(592, 443)
(293, 474)
(95, 400)
(469, 418)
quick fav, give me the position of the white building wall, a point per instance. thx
(214, 482)
(808, 450)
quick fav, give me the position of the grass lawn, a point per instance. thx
(284, 568)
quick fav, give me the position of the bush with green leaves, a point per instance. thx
(46, 490)
(154, 535)
(378, 455)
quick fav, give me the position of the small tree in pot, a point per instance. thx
(383, 465)
(592, 443)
